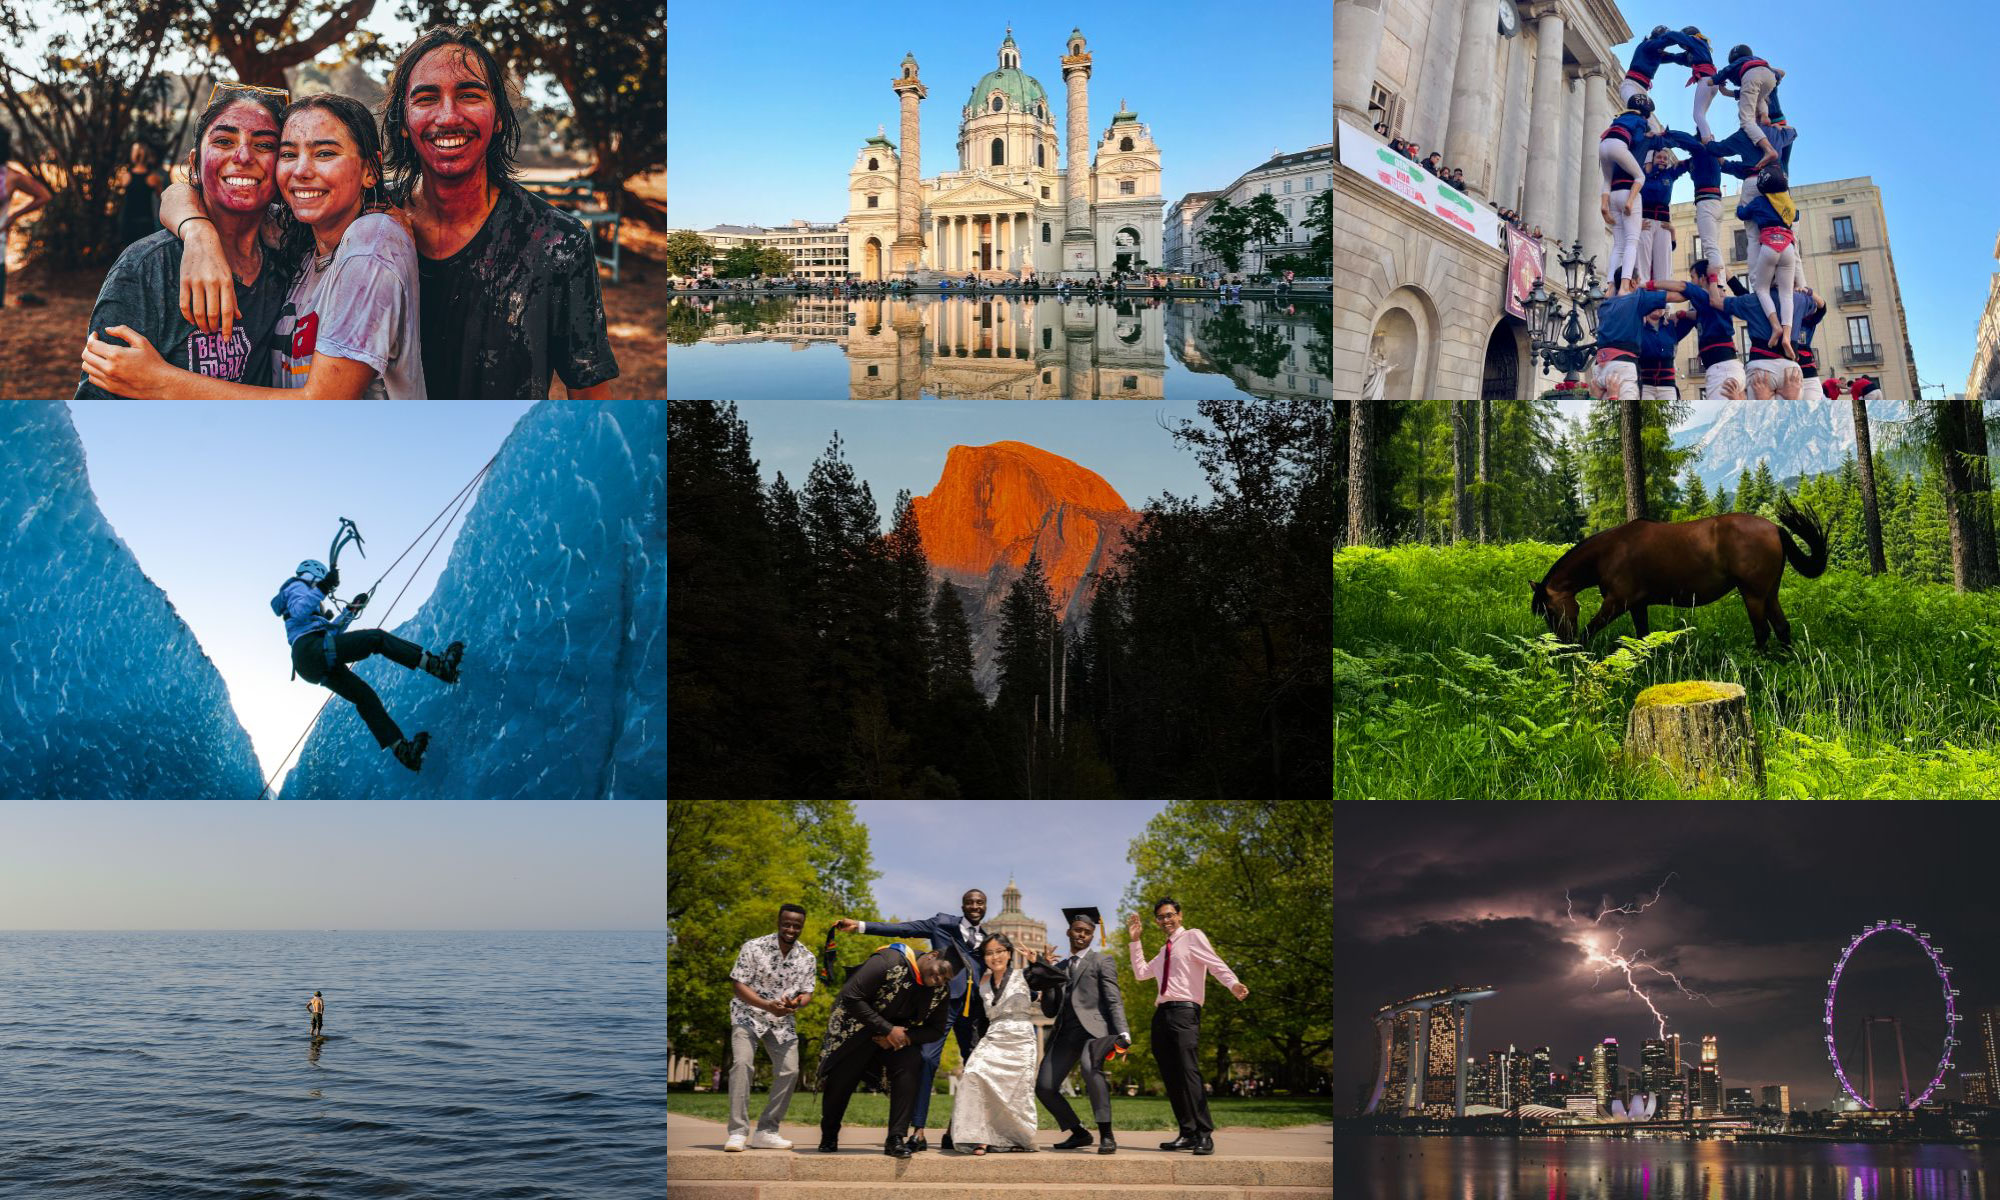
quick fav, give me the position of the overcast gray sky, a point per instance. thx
(228, 864)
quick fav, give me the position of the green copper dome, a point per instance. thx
(1020, 88)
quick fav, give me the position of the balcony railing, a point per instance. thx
(1852, 356)
(1854, 295)
(1846, 243)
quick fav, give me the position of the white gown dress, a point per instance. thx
(995, 1105)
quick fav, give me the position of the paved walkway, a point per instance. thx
(687, 1134)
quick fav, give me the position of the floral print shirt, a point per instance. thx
(765, 970)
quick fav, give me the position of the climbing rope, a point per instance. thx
(453, 507)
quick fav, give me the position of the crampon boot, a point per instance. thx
(445, 666)
(410, 751)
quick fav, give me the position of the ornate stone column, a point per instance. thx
(1596, 115)
(1471, 125)
(1429, 121)
(1545, 120)
(909, 245)
(1079, 250)
(1567, 160)
(1357, 40)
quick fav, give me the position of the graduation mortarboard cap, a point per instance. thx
(1096, 922)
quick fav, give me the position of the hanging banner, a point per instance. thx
(1524, 267)
(1364, 153)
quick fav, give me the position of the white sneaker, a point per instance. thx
(768, 1141)
(734, 1144)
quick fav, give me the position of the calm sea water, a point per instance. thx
(170, 1065)
(1436, 1168)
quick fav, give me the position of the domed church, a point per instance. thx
(1013, 208)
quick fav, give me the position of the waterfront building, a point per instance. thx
(1292, 179)
(1422, 1053)
(1977, 1086)
(1736, 1102)
(1779, 1097)
(1656, 1071)
(1986, 1031)
(1585, 1105)
(1542, 1090)
(1604, 1073)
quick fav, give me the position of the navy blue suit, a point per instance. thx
(967, 1025)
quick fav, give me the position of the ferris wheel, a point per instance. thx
(1949, 995)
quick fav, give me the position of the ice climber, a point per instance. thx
(309, 624)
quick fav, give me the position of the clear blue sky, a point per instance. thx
(220, 500)
(767, 106)
(893, 444)
(1893, 92)
(1060, 853)
(230, 864)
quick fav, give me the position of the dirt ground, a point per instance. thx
(41, 344)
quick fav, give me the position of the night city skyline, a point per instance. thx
(1748, 905)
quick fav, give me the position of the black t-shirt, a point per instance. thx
(520, 300)
(143, 290)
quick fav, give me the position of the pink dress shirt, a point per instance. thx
(1189, 966)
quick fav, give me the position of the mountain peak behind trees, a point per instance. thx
(996, 505)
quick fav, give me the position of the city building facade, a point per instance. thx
(1178, 246)
(1514, 92)
(1423, 1054)
(1778, 1096)
(1292, 180)
(818, 250)
(1014, 207)
(1983, 385)
(1844, 256)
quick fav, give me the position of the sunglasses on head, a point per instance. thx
(284, 97)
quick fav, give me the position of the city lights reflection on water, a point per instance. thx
(1469, 1168)
(993, 347)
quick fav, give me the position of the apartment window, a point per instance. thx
(1309, 183)
(1288, 187)
(1740, 250)
(872, 201)
(1843, 233)
(1125, 187)
(1860, 334)
(1850, 277)
(1267, 189)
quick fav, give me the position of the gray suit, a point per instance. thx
(1089, 1013)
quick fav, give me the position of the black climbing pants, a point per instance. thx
(309, 656)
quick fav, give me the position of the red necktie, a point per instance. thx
(1167, 971)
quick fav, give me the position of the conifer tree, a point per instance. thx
(1696, 503)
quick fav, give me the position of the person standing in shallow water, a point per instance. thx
(317, 1007)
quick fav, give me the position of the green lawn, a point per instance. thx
(1127, 1112)
(1447, 687)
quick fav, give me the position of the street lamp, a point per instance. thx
(1565, 339)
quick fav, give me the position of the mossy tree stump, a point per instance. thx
(1699, 732)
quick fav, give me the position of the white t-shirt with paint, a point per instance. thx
(359, 303)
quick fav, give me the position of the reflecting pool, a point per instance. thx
(996, 348)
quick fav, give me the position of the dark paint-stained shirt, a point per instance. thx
(142, 290)
(517, 302)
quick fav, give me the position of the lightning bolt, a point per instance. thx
(1602, 958)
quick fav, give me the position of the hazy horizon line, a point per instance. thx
(334, 929)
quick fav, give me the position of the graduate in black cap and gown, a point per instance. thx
(1090, 1024)
(886, 1011)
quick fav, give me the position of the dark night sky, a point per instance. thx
(1763, 899)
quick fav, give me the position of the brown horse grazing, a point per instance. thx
(1685, 564)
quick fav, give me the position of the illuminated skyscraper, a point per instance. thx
(1778, 1096)
(1986, 1027)
(1424, 1053)
(1656, 1069)
(1499, 1070)
(1978, 1088)
(1543, 1069)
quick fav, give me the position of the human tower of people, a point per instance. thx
(1637, 334)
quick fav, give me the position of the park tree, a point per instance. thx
(1228, 230)
(75, 108)
(742, 261)
(263, 39)
(1252, 876)
(608, 56)
(729, 868)
(687, 251)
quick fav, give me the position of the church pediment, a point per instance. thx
(981, 191)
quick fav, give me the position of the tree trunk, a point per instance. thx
(1871, 515)
(1360, 476)
(1461, 474)
(1968, 494)
(1698, 732)
(1632, 446)
(1485, 464)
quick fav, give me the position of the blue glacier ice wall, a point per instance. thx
(557, 585)
(104, 691)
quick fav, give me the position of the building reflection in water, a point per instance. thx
(1028, 348)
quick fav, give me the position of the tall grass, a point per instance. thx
(1447, 687)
